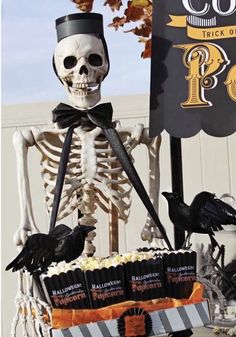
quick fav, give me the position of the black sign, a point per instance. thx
(193, 67)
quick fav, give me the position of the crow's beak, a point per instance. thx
(166, 194)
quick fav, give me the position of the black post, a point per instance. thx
(177, 182)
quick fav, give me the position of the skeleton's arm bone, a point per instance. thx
(22, 140)
(150, 230)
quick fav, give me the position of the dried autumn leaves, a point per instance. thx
(135, 10)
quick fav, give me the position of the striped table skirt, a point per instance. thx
(160, 322)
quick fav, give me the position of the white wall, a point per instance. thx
(208, 164)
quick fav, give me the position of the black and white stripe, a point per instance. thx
(163, 321)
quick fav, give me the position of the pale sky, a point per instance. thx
(28, 42)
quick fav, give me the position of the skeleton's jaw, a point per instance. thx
(83, 95)
(84, 100)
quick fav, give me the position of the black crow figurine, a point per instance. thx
(40, 250)
(206, 214)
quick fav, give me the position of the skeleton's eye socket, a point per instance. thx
(70, 62)
(95, 60)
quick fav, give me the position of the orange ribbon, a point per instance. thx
(64, 318)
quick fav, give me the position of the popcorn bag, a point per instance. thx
(179, 273)
(67, 290)
(144, 279)
(106, 286)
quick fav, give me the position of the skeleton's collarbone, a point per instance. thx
(50, 133)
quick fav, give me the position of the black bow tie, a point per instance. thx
(101, 115)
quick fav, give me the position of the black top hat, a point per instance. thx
(79, 23)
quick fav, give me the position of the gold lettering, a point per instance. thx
(231, 83)
(204, 62)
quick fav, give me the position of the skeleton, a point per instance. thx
(94, 176)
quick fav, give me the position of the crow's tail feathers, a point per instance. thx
(222, 213)
(17, 263)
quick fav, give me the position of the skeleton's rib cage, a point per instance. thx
(94, 175)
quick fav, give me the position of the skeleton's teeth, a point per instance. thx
(85, 92)
(93, 84)
(85, 88)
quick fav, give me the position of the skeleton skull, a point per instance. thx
(81, 64)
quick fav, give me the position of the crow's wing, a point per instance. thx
(37, 253)
(71, 246)
(199, 202)
(67, 250)
(216, 213)
(60, 231)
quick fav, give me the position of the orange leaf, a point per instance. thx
(143, 30)
(114, 4)
(134, 13)
(118, 22)
(84, 5)
(147, 49)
